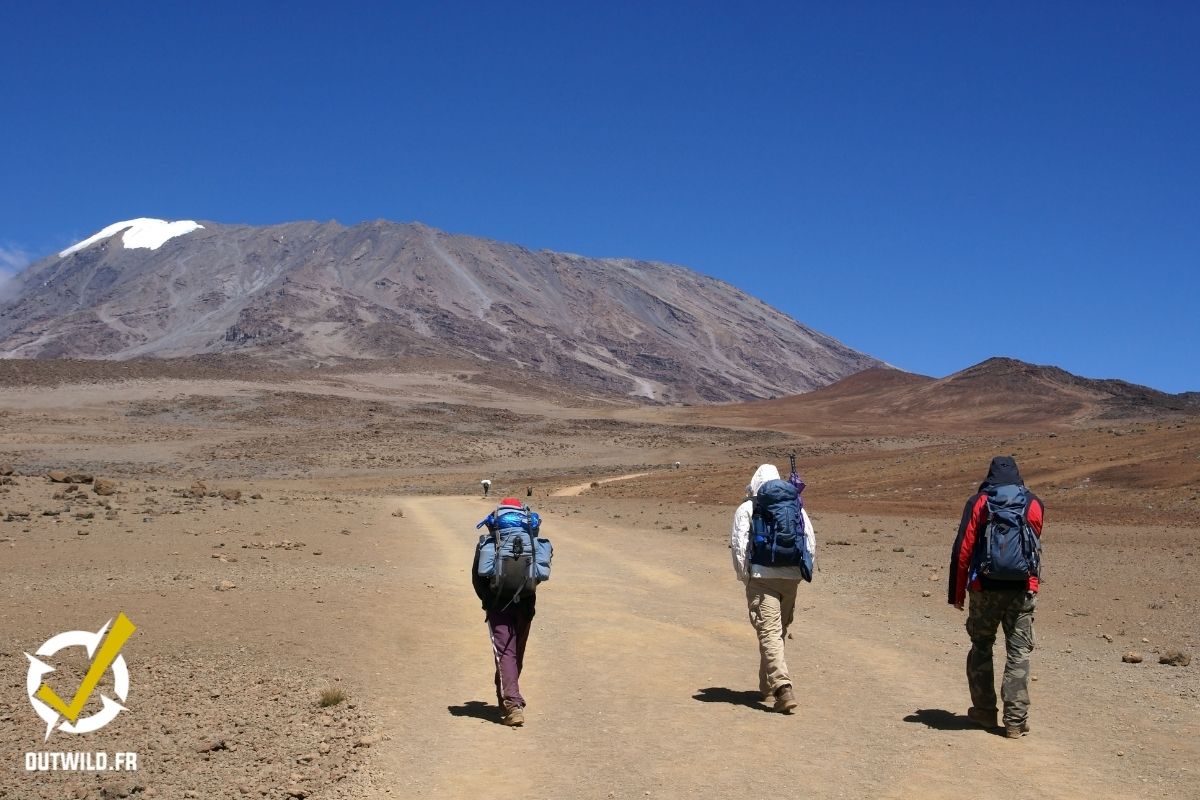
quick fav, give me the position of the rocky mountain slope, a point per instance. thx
(311, 292)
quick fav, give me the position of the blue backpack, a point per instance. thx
(1009, 549)
(777, 536)
(511, 554)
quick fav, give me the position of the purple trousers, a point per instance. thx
(509, 630)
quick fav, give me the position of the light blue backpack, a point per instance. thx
(512, 556)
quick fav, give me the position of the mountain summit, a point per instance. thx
(312, 292)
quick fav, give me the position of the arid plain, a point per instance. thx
(276, 536)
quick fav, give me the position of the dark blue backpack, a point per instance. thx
(1010, 549)
(777, 537)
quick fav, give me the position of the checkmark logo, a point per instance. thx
(104, 650)
(120, 632)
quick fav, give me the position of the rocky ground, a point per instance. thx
(280, 541)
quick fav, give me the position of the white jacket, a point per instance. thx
(739, 537)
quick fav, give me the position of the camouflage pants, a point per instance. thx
(1014, 611)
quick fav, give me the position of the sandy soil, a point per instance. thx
(350, 572)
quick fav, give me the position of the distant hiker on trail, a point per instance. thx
(511, 559)
(487, 486)
(772, 544)
(997, 556)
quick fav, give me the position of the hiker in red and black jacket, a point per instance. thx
(996, 558)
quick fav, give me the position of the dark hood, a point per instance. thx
(1002, 472)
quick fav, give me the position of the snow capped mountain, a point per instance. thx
(144, 233)
(309, 292)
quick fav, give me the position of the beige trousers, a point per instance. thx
(772, 603)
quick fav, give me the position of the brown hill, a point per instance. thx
(1000, 393)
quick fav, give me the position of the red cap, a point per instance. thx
(511, 502)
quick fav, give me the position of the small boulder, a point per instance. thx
(1132, 657)
(79, 477)
(1175, 658)
(196, 490)
(6, 470)
(231, 494)
(57, 476)
(104, 486)
(225, 586)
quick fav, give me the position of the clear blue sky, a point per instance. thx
(932, 183)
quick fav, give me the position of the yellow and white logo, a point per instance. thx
(105, 653)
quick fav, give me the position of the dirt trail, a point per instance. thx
(641, 682)
(580, 488)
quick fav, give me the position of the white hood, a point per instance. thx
(766, 472)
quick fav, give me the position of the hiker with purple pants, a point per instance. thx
(510, 560)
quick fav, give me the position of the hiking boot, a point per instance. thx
(514, 717)
(982, 717)
(785, 700)
(1016, 731)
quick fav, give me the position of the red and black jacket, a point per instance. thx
(1003, 471)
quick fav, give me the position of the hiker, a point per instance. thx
(769, 563)
(997, 557)
(487, 486)
(511, 559)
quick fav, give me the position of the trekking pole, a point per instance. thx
(795, 480)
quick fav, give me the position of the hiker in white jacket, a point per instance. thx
(770, 596)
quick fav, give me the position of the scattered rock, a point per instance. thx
(225, 586)
(6, 470)
(926, 593)
(57, 476)
(104, 486)
(1106, 637)
(1175, 658)
(256, 496)
(898, 549)
(212, 746)
(79, 477)
(286, 544)
(1132, 657)
(231, 494)
(118, 787)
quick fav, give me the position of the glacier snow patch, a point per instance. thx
(144, 233)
